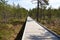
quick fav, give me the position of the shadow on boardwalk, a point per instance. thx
(20, 34)
(29, 20)
(46, 36)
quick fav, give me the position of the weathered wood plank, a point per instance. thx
(33, 31)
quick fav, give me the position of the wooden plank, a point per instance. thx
(33, 31)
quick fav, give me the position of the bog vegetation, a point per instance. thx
(13, 17)
(11, 20)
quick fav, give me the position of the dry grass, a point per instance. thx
(54, 26)
(10, 31)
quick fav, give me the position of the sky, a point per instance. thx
(28, 4)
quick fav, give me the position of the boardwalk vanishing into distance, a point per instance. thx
(33, 31)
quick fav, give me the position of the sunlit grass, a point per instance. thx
(53, 25)
(9, 31)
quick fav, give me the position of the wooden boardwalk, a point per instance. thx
(33, 31)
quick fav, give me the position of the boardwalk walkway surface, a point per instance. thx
(33, 31)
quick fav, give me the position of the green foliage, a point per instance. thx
(8, 12)
(10, 16)
(3, 26)
(47, 14)
(14, 21)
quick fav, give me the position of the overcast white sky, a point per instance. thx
(29, 5)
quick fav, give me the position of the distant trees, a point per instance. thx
(40, 4)
(32, 13)
(48, 14)
(3, 6)
(8, 12)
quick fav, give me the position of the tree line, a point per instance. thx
(9, 12)
(45, 14)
